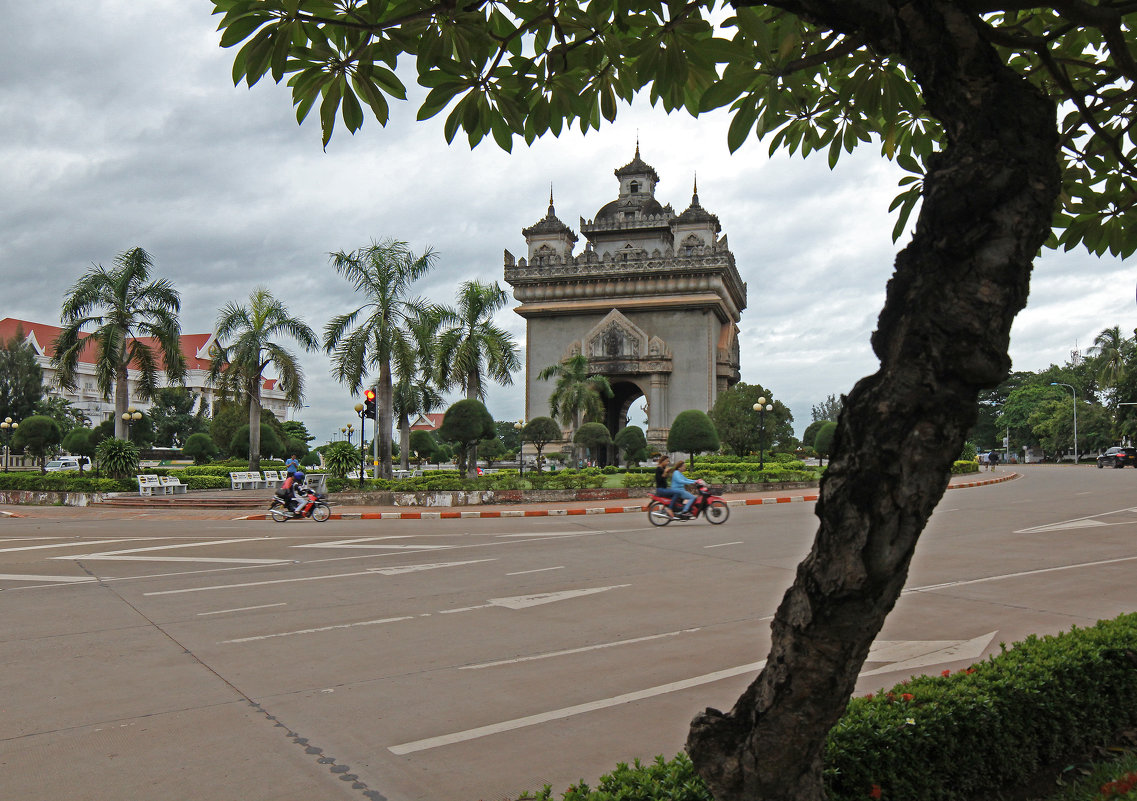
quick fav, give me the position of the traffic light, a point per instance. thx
(369, 403)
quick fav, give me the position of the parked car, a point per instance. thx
(67, 463)
(1118, 457)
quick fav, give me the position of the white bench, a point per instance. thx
(273, 478)
(172, 485)
(243, 480)
(148, 483)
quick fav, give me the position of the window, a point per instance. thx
(634, 187)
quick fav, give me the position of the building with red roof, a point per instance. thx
(196, 348)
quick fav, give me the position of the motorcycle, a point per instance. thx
(661, 511)
(311, 505)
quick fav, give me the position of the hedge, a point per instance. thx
(975, 733)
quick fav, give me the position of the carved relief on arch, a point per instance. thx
(615, 337)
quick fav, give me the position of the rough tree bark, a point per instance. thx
(942, 336)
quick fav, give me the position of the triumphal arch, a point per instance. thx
(653, 301)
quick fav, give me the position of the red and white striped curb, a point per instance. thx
(482, 515)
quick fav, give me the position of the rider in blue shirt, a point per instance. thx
(679, 483)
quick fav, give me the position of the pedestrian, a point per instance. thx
(993, 458)
(291, 464)
(983, 457)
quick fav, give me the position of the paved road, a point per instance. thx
(472, 659)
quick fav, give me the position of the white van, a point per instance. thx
(67, 463)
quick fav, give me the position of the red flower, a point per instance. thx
(876, 792)
(907, 697)
(946, 673)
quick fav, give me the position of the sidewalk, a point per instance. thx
(259, 501)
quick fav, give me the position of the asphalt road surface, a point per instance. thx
(457, 660)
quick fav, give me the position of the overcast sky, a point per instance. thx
(121, 127)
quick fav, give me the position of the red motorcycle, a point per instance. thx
(310, 505)
(661, 511)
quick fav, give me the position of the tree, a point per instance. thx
(593, 436)
(539, 432)
(632, 444)
(341, 458)
(828, 409)
(124, 306)
(173, 417)
(79, 442)
(228, 416)
(692, 432)
(823, 440)
(1112, 354)
(21, 378)
(199, 447)
(239, 368)
(742, 429)
(810, 432)
(464, 423)
(491, 450)
(963, 95)
(423, 444)
(373, 335)
(241, 446)
(414, 391)
(36, 436)
(578, 394)
(118, 457)
(62, 411)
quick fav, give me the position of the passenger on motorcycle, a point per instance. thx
(679, 483)
(289, 491)
(662, 490)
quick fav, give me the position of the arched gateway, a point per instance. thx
(653, 302)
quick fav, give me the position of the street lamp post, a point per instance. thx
(9, 427)
(518, 426)
(762, 407)
(359, 409)
(1058, 384)
(131, 416)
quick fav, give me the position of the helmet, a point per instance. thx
(299, 476)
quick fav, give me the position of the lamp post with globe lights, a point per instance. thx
(131, 416)
(762, 407)
(8, 426)
(518, 426)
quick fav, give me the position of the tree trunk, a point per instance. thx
(386, 418)
(942, 336)
(255, 424)
(473, 391)
(405, 441)
(121, 403)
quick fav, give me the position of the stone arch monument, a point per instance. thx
(653, 301)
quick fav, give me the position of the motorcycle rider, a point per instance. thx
(662, 479)
(679, 483)
(289, 491)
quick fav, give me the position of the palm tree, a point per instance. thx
(1112, 352)
(413, 392)
(123, 305)
(375, 334)
(577, 395)
(240, 367)
(472, 348)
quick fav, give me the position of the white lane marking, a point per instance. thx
(1078, 522)
(525, 601)
(316, 630)
(400, 569)
(370, 572)
(379, 546)
(580, 650)
(343, 543)
(53, 579)
(178, 546)
(567, 712)
(723, 544)
(961, 647)
(1021, 574)
(242, 609)
(920, 656)
(538, 570)
(538, 534)
(98, 557)
(72, 544)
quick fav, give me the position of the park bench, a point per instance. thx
(273, 478)
(172, 485)
(148, 483)
(245, 480)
